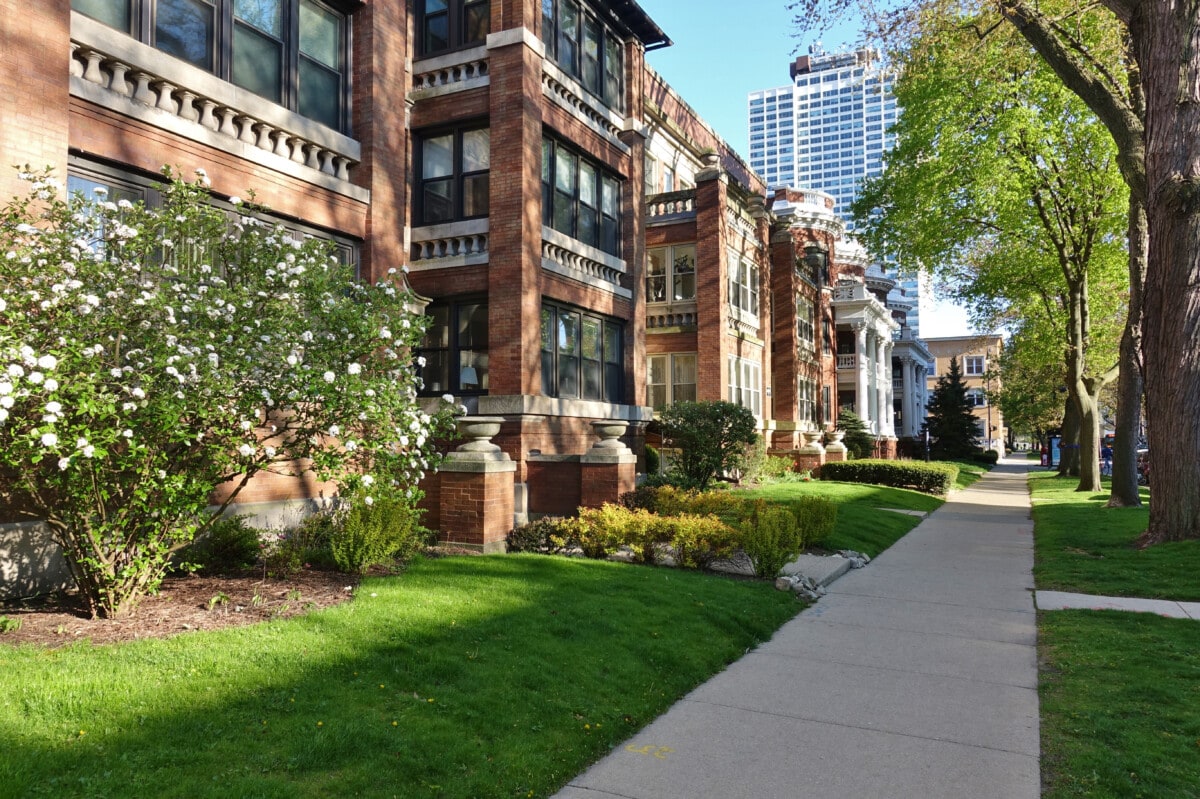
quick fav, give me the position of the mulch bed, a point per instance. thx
(184, 604)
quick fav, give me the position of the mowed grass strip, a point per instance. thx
(1119, 699)
(1086, 548)
(861, 525)
(464, 677)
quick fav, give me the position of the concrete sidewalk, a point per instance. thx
(914, 677)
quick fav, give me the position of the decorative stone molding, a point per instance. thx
(672, 204)
(455, 72)
(670, 314)
(453, 244)
(114, 70)
(574, 259)
(566, 92)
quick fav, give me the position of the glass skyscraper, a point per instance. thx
(828, 129)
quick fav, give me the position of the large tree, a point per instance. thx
(1003, 178)
(1152, 114)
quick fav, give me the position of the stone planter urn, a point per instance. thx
(609, 431)
(478, 430)
(812, 437)
(836, 436)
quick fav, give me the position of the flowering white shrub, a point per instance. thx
(148, 355)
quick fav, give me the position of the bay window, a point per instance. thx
(452, 24)
(581, 355)
(745, 384)
(291, 52)
(805, 331)
(455, 349)
(743, 284)
(670, 378)
(671, 273)
(453, 172)
(580, 199)
(585, 48)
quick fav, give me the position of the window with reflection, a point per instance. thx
(586, 48)
(671, 273)
(453, 170)
(670, 378)
(291, 52)
(580, 198)
(453, 356)
(452, 24)
(581, 355)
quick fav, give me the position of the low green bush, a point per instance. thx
(699, 540)
(770, 538)
(377, 530)
(550, 535)
(931, 478)
(816, 518)
(990, 457)
(230, 544)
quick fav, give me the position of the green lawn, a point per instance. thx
(861, 525)
(474, 676)
(1087, 548)
(1120, 694)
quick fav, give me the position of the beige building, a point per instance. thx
(978, 359)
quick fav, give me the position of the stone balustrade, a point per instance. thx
(463, 245)
(671, 203)
(455, 72)
(670, 317)
(566, 92)
(566, 256)
(847, 361)
(127, 69)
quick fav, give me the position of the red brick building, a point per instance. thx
(587, 245)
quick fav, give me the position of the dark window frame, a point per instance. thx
(458, 178)
(458, 34)
(142, 16)
(565, 368)
(454, 349)
(569, 49)
(565, 207)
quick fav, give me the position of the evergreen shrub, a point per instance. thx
(770, 538)
(930, 478)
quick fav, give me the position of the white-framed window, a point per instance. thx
(745, 384)
(806, 395)
(826, 404)
(976, 398)
(974, 365)
(743, 284)
(805, 330)
(670, 378)
(671, 273)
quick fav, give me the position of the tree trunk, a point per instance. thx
(1166, 36)
(1089, 440)
(1124, 492)
(1068, 445)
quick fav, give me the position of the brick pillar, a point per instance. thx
(34, 90)
(609, 468)
(476, 491)
(812, 455)
(836, 450)
(712, 292)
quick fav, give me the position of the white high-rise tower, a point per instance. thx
(828, 130)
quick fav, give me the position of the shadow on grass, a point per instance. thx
(489, 677)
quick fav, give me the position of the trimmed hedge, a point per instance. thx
(931, 478)
(696, 528)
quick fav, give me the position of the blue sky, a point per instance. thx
(722, 51)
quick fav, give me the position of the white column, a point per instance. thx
(882, 412)
(860, 373)
(908, 396)
(889, 388)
